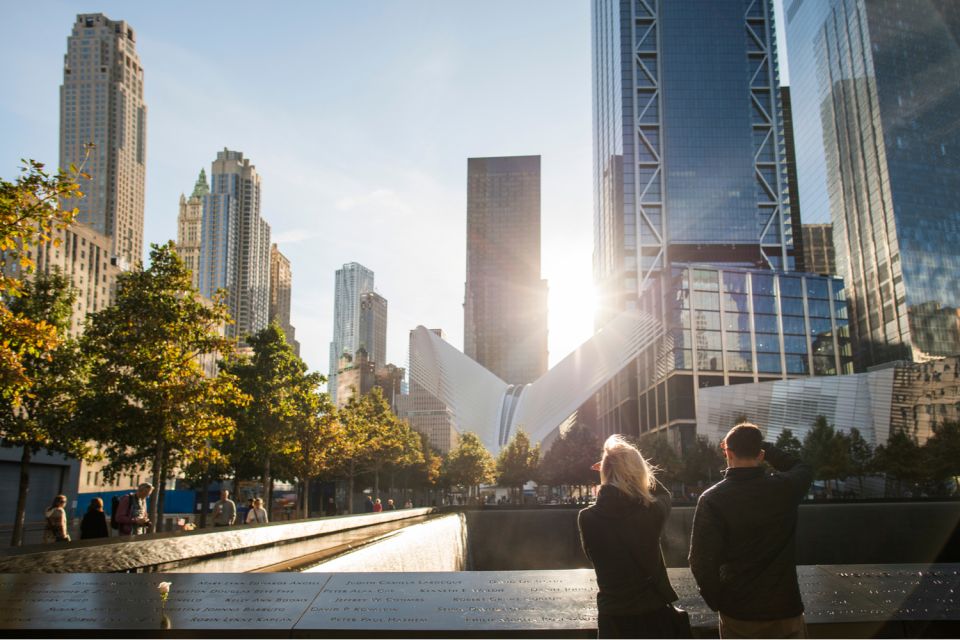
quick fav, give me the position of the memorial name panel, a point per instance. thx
(262, 602)
(442, 601)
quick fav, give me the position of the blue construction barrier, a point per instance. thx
(178, 501)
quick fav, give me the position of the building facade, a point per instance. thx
(689, 169)
(505, 302)
(425, 413)
(235, 244)
(878, 155)
(373, 326)
(190, 227)
(281, 286)
(103, 129)
(85, 257)
(351, 282)
(898, 396)
(818, 250)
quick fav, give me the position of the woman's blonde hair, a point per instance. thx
(624, 467)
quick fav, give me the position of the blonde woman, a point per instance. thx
(55, 528)
(257, 514)
(620, 535)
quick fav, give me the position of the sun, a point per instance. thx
(571, 305)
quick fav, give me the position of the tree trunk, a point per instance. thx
(306, 498)
(268, 487)
(157, 483)
(161, 496)
(376, 483)
(17, 539)
(204, 502)
(350, 489)
(161, 499)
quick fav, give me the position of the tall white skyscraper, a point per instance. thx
(103, 125)
(352, 281)
(235, 244)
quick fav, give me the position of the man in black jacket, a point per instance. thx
(743, 547)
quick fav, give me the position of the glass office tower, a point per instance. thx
(351, 282)
(505, 299)
(876, 115)
(689, 174)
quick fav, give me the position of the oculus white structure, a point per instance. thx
(494, 410)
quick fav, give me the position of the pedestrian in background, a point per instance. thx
(224, 510)
(55, 528)
(132, 516)
(257, 514)
(94, 523)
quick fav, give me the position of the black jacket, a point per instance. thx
(94, 525)
(621, 537)
(743, 546)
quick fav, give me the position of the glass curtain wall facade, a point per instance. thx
(373, 327)
(505, 300)
(689, 168)
(877, 149)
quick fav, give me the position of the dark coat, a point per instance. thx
(621, 537)
(94, 525)
(743, 545)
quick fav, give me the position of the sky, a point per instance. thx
(359, 116)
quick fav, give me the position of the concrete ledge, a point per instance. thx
(149, 552)
(841, 601)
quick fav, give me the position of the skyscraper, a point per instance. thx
(373, 327)
(351, 281)
(190, 226)
(425, 413)
(102, 113)
(876, 84)
(235, 245)
(692, 212)
(505, 302)
(281, 285)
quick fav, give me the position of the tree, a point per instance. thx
(702, 463)
(42, 418)
(826, 451)
(661, 454)
(789, 443)
(569, 458)
(31, 210)
(518, 463)
(374, 439)
(149, 401)
(469, 463)
(317, 436)
(860, 455)
(425, 474)
(902, 458)
(943, 452)
(276, 379)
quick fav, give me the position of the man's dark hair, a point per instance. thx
(744, 440)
